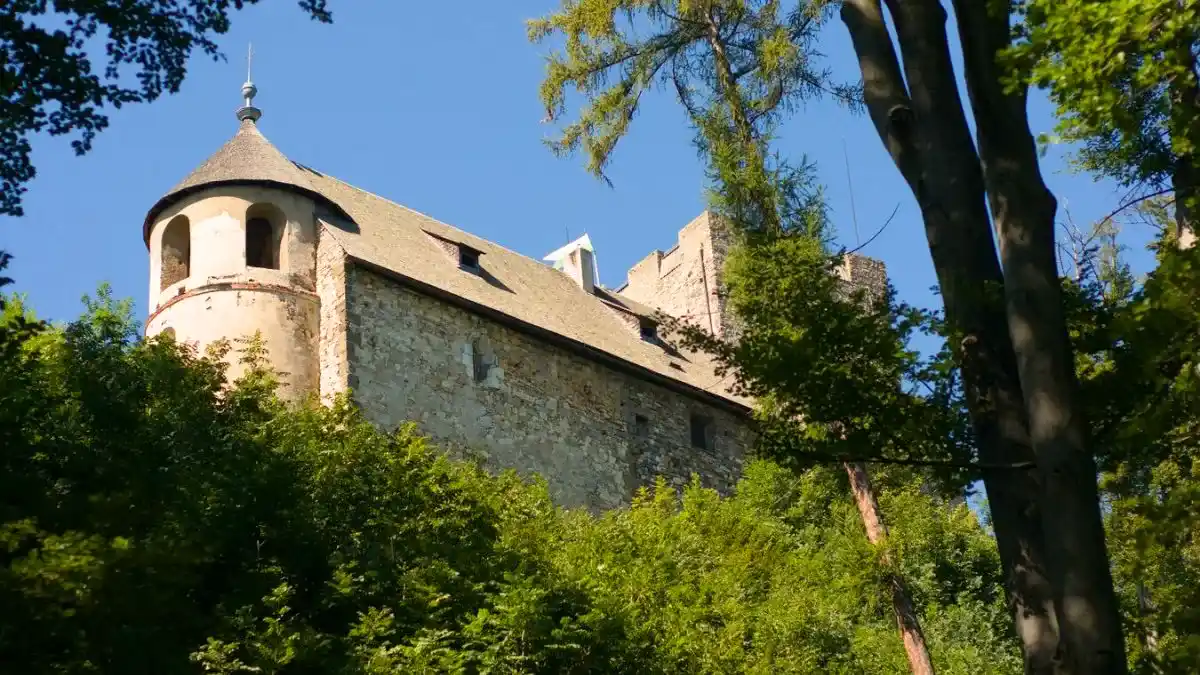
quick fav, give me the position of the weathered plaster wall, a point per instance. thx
(594, 433)
(286, 319)
(223, 298)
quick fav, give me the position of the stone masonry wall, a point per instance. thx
(331, 289)
(685, 282)
(866, 273)
(485, 390)
(688, 281)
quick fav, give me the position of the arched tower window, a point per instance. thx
(176, 251)
(264, 236)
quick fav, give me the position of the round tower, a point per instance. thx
(233, 253)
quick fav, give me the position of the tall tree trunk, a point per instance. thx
(1185, 131)
(1023, 211)
(927, 136)
(906, 615)
(1149, 636)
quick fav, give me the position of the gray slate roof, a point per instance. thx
(398, 240)
(248, 157)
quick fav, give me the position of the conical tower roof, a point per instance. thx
(247, 158)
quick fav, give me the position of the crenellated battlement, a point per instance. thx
(687, 281)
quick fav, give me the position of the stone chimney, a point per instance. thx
(578, 261)
(580, 265)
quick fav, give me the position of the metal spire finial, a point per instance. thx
(248, 111)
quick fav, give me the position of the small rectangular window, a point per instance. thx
(641, 426)
(701, 428)
(482, 359)
(468, 259)
(648, 329)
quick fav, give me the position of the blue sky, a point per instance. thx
(434, 105)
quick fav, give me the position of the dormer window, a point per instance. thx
(648, 329)
(468, 259)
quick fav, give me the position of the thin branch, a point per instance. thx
(1133, 202)
(979, 466)
(877, 233)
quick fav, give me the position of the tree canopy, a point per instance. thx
(156, 522)
(50, 82)
(1125, 77)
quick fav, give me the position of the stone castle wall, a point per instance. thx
(487, 390)
(865, 273)
(334, 376)
(685, 282)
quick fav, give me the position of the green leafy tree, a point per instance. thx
(1137, 361)
(763, 199)
(151, 513)
(48, 81)
(828, 365)
(157, 520)
(1004, 308)
(779, 579)
(1126, 80)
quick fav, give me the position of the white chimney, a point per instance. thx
(578, 261)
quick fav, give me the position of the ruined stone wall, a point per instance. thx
(486, 390)
(865, 273)
(686, 281)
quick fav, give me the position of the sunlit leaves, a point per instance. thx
(1123, 74)
(155, 520)
(612, 52)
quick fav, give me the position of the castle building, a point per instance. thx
(516, 362)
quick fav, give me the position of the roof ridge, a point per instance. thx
(435, 220)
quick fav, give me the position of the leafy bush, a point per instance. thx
(156, 521)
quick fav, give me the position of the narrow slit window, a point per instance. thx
(482, 359)
(701, 431)
(641, 426)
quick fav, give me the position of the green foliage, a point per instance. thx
(1138, 357)
(615, 52)
(813, 348)
(159, 521)
(779, 579)
(1123, 74)
(50, 83)
(808, 347)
